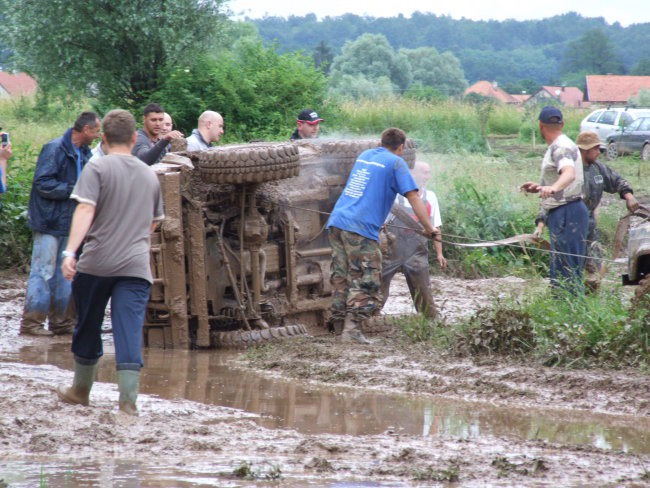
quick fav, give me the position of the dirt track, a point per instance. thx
(186, 443)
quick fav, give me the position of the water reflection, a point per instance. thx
(205, 376)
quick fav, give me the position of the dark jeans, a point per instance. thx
(568, 226)
(129, 298)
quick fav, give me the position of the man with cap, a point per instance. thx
(308, 125)
(598, 177)
(561, 191)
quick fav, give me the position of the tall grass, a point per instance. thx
(31, 122)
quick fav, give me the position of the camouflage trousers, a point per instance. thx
(356, 275)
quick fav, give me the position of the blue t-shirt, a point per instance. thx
(376, 178)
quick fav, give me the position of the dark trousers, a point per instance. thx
(129, 298)
(568, 226)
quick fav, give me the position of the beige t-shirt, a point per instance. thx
(127, 199)
(562, 152)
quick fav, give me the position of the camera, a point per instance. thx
(4, 137)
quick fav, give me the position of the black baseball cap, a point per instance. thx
(310, 116)
(550, 115)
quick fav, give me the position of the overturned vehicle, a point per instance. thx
(243, 256)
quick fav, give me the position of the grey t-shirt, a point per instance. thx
(127, 199)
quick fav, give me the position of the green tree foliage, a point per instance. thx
(507, 51)
(257, 90)
(117, 48)
(594, 53)
(642, 68)
(641, 100)
(432, 69)
(370, 56)
(323, 57)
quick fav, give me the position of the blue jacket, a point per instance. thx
(50, 207)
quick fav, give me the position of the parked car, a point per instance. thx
(607, 121)
(631, 139)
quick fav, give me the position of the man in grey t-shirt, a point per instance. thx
(119, 204)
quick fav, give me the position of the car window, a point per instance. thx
(625, 119)
(645, 124)
(593, 117)
(635, 125)
(608, 117)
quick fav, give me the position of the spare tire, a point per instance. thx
(249, 163)
(340, 156)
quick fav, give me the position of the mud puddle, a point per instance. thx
(209, 377)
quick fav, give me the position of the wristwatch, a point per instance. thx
(69, 254)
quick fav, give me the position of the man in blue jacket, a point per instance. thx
(50, 214)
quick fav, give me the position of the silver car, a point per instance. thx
(607, 121)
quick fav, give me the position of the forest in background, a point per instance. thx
(516, 54)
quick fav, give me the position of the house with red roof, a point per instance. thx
(13, 85)
(568, 96)
(492, 90)
(614, 89)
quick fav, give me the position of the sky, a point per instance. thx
(626, 13)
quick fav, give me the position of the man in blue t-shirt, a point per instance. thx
(377, 177)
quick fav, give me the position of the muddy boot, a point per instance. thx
(79, 392)
(352, 332)
(128, 383)
(65, 328)
(32, 324)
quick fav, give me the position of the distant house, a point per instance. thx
(492, 90)
(13, 85)
(569, 96)
(615, 89)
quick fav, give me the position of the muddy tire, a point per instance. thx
(241, 339)
(340, 156)
(249, 163)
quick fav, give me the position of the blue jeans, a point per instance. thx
(568, 226)
(129, 297)
(48, 292)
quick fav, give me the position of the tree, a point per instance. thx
(642, 68)
(116, 48)
(323, 57)
(432, 69)
(372, 58)
(258, 91)
(594, 53)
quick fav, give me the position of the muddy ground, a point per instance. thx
(187, 443)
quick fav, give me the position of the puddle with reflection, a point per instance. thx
(204, 376)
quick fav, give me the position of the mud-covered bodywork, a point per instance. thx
(243, 255)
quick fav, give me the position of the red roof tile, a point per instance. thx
(17, 84)
(570, 96)
(615, 88)
(488, 89)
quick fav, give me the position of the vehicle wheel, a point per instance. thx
(241, 339)
(340, 156)
(249, 163)
(645, 152)
(612, 151)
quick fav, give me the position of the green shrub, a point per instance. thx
(258, 91)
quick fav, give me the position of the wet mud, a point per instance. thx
(311, 412)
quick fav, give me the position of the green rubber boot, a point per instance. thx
(79, 392)
(128, 383)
